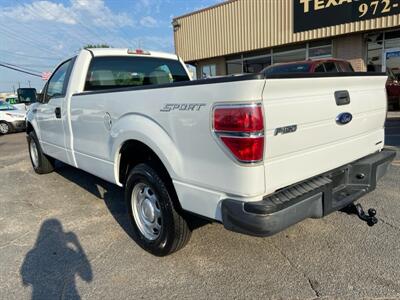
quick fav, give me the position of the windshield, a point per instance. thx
(6, 106)
(288, 68)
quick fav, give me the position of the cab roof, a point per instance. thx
(311, 61)
(124, 52)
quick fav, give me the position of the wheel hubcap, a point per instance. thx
(34, 153)
(146, 211)
(3, 128)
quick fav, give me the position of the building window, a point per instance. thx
(289, 56)
(208, 71)
(320, 49)
(374, 52)
(392, 39)
(257, 61)
(257, 64)
(234, 67)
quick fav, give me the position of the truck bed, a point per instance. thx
(195, 161)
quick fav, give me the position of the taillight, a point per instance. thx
(240, 128)
(238, 119)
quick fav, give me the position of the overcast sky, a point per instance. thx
(36, 34)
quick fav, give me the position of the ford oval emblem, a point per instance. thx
(344, 118)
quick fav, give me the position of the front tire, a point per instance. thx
(157, 225)
(41, 163)
(4, 127)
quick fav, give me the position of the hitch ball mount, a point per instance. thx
(358, 210)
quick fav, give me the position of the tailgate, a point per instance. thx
(320, 143)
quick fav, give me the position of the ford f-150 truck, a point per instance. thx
(242, 150)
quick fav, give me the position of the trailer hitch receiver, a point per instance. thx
(358, 210)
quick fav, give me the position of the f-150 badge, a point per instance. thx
(286, 130)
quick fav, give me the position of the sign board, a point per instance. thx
(391, 60)
(314, 14)
(392, 54)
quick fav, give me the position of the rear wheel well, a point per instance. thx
(134, 152)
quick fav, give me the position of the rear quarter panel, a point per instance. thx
(202, 172)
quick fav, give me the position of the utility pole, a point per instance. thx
(19, 84)
(14, 88)
(29, 82)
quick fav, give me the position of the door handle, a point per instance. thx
(57, 111)
(342, 98)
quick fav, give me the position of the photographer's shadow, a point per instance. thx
(50, 268)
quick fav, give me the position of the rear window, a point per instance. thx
(117, 72)
(330, 67)
(320, 69)
(288, 68)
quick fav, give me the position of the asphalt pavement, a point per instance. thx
(65, 235)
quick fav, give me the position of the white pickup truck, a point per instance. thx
(253, 152)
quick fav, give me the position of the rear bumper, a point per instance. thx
(313, 198)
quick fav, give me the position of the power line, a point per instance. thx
(75, 36)
(52, 38)
(20, 67)
(18, 70)
(25, 40)
(29, 56)
(88, 29)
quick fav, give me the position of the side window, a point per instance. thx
(330, 67)
(345, 67)
(119, 72)
(320, 69)
(57, 84)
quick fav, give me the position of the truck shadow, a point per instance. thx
(113, 196)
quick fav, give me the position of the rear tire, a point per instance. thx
(41, 163)
(4, 127)
(157, 225)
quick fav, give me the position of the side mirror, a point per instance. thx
(27, 95)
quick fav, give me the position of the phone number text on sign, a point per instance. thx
(313, 14)
(377, 7)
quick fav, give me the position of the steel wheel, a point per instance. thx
(4, 128)
(146, 211)
(34, 153)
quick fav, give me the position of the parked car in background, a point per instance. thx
(393, 90)
(310, 66)
(11, 118)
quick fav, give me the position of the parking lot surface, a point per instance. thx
(65, 235)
